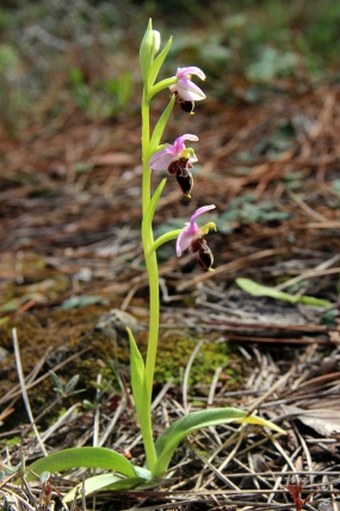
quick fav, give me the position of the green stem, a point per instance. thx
(150, 362)
(151, 263)
(163, 84)
(153, 278)
(168, 236)
(146, 179)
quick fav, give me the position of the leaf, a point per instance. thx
(11, 305)
(71, 384)
(161, 124)
(146, 51)
(139, 387)
(83, 301)
(158, 62)
(263, 213)
(246, 210)
(324, 418)
(180, 429)
(58, 386)
(255, 289)
(258, 421)
(272, 63)
(87, 457)
(15, 303)
(102, 482)
(147, 220)
(137, 370)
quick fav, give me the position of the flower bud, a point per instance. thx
(156, 41)
(149, 47)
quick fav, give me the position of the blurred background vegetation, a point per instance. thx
(60, 56)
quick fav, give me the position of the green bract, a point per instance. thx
(149, 48)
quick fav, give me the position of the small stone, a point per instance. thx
(325, 505)
(3, 353)
(115, 322)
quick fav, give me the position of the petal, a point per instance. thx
(206, 228)
(189, 91)
(190, 70)
(173, 88)
(179, 144)
(185, 238)
(200, 211)
(161, 159)
(183, 242)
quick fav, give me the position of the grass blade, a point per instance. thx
(255, 289)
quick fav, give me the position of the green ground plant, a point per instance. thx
(177, 159)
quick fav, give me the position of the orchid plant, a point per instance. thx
(177, 159)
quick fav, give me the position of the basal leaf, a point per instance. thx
(87, 457)
(172, 436)
(100, 483)
(169, 440)
(258, 421)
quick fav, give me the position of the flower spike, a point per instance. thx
(192, 238)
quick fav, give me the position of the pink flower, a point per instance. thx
(187, 90)
(178, 160)
(192, 238)
(163, 158)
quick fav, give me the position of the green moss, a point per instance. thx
(55, 335)
(174, 355)
(13, 441)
